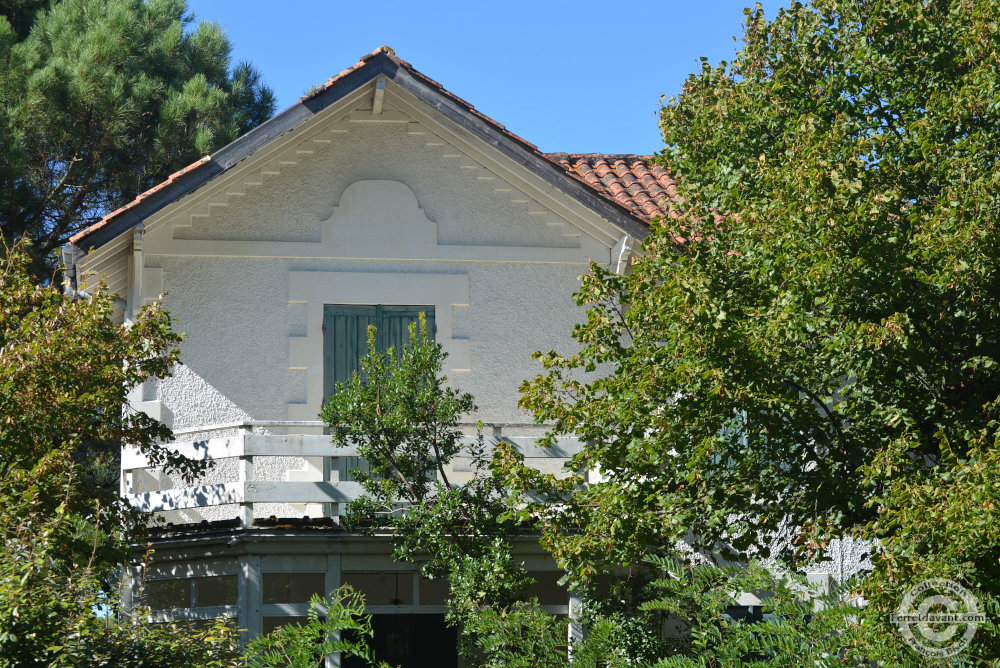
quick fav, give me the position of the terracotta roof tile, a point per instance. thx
(141, 196)
(633, 181)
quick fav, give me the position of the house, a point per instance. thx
(377, 196)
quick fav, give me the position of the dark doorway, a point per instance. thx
(412, 641)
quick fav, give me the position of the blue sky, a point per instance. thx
(581, 77)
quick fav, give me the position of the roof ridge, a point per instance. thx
(563, 154)
(558, 162)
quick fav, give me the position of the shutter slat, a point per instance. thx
(344, 342)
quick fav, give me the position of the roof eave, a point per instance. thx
(521, 152)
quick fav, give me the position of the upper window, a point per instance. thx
(345, 335)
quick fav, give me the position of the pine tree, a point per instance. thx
(102, 99)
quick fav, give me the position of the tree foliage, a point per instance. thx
(404, 420)
(65, 373)
(329, 623)
(57, 609)
(808, 349)
(103, 99)
(797, 625)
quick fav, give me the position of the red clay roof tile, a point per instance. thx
(141, 196)
(645, 189)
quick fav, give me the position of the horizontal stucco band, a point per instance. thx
(348, 287)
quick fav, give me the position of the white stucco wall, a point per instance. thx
(358, 209)
(238, 322)
(363, 212)
(374, 207)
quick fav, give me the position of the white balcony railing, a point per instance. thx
(245, 443)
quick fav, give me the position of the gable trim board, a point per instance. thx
(381, 62)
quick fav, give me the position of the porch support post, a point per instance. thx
(332, 584)
(131, 577)
(251, 598)
(575, 628)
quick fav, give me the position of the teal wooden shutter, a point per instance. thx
(345, 336)
(394, 325)
(345, 341)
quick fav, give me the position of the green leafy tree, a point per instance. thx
(519, 635)
(808, 350)
(65, 374)
(55, 611)
(336, 624)
(101, 99)
(404, 420)
(799, 625)
(49, 613)
(674, 613)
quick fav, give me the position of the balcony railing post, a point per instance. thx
(329, 509)
(246, 476)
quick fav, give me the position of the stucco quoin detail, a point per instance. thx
(310, 290)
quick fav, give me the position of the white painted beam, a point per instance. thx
(318, 445)
(301, 492)
(260, 491)
(194, 614)
(249, 586)
(379, 97)
(189, 497)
